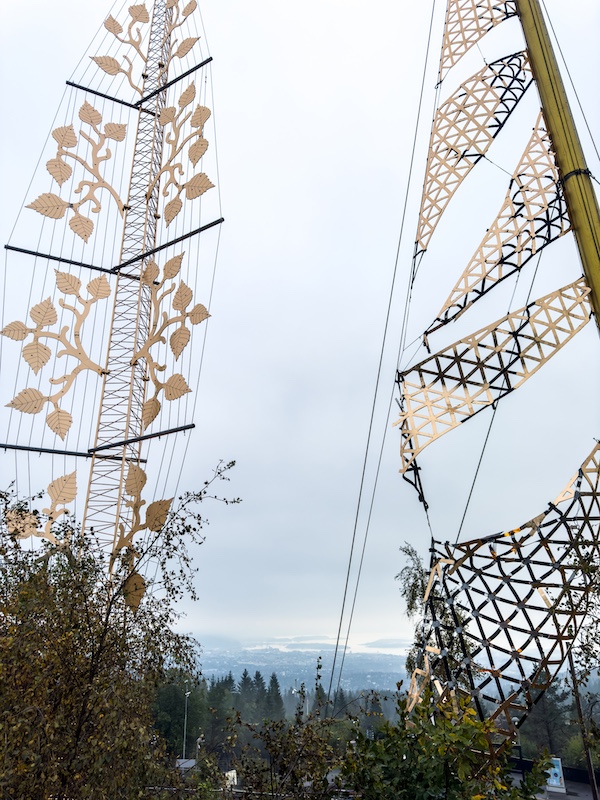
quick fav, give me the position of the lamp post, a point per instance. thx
(187, 694)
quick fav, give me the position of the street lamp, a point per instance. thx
(187, 694)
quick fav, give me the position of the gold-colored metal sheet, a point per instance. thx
(466, 22)
(504, 610)
(447, 388)
(463, 130)
(22, 523)
(533, 215)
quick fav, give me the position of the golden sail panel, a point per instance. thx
(533, 215)
(503, 610)
(451, 386)
(463, 130)
(467, 21)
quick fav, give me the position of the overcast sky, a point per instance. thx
(315, 107)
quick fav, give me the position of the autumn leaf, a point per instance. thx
(198, 314)
(28, 401)
(156, 515)
(173, 266)
(36, 355)
(88, 113)
(189, 9)
(150, 274)
(59, 421)
(63, 490)
(44, 313)
(197, 186)
(65, 136)
(50, 205)
(183, 297)
(113, 26)
(136, 480)
(17, 331)
(197, 150)
(167, 115)
(59, 170)
(99, 288)
(115, 130)
(134, 589)
(176, 387)
(185, 47)
(67, 283)
(179, 340)
(171, 210)
(150, 411)
(187, 97)
(139, 13)
(82, 226)
(108, 64)
(199, 117)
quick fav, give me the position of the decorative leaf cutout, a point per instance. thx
(63, 490)
(198, 314)
(156, 516)
(108, 64)
(199, 117)
(139, 13)
(173, 266)
(150, 274)
(172, 209)
(28, 401)
(171, 3)
(197, 150)
(167, 115)
(176, 387)
(113, 26)
(99, 288)
(183, 297)
(189, 9)
(185, 47)
(134, 589)
(17, 331)
(197, 186)
(150, 411)
(36, 354)
(187, 97)
(179, 340)
(44, 313)
(50, 205)
(60, 170)
(82, 226)
(65, 136)
(67, 283)
(136, 480)
(88, 113)
(115, 130)
(59, 421)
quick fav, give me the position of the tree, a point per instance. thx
(274, 704)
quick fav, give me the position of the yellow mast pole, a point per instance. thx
(580, 196)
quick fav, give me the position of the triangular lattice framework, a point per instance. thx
(449, 387)
(466, 22)
(463, 130)
(533, 215)
(503, 611)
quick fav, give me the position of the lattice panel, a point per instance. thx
(502, 611)
(533, 214)
(463, 130)
(466, 22)
(446, 389)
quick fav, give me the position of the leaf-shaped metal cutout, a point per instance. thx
(36, 354)
(59, 169)
(44, 313)
(187, 97)
(156, 516)
(50, 205)
(134, 589)
(139, 13)
(17, 331)
(82, 226)
(199, 117)
(167, 115)
(65, 136)
(87, 113)
(197, 150)
(190, 8)
(183, 297)
(28, 401)
(59, 421)
(172, 209)
(67, 283)
(179, 340)
(176, 387)
(185, 47)
(173, 266)
(198, 314)
(197, 186)
(151, 273)
(99, 288)
(115, 130)
(63, 490)
(107, 64)
(111, 24)
(150, 411)
(136, 480)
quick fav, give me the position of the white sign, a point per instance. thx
(556, 781)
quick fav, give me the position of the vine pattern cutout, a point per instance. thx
(22, 523)
(160, 291)
(53, 206)
(37, 354)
